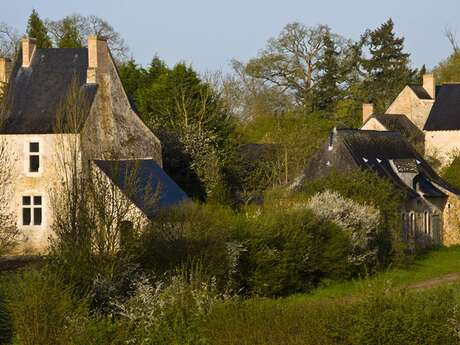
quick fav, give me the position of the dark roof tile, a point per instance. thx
(445, 114)
(144, 182)
(36, 92)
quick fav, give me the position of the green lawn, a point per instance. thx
(434, 264)
(333, 314)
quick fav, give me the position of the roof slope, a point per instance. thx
(36, 92)
(399, 123)
(144, 182)
(445, 114)
(386, 153)
(420, 91)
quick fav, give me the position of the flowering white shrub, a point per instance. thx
(156, 305)
(360, 221)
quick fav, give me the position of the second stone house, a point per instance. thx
(434, 110)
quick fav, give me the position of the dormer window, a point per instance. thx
(34, 157)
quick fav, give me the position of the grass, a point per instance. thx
(432, 265)
(342, 313)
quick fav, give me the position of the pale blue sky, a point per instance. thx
(209, 33)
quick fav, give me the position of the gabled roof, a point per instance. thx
(399, 123)
(386, 153)
(445, 113)
(420, 91)
(36, 92)
(144, 182)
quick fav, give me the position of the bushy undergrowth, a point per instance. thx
(378, 317)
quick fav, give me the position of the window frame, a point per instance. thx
(28, 154)
(32, 205)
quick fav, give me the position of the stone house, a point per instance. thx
(434, 110)
(38, 130)
(429, 212)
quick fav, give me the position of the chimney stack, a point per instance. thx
(429, 84)
(28, 48)
(5, 70)
(368, 111)
(98, 58)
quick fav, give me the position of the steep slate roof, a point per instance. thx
(37, 91)
(382, 152)
(399, 123)
(445, 114)
(144, 182)
(420, 92)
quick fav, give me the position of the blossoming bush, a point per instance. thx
(360, 222)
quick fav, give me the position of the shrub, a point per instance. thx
(168, 311)
(360, 221)
(291, 251)
(40, 307)
(190, 234)
(365, 187)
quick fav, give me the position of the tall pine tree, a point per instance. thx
(387, 68)
(37, 29)
(326, 90)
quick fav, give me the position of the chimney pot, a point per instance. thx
(368, 111)
(429, 84)
(28, 49)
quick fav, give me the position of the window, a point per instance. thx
(34, 157)
(32, 210)
(427, 225)
(412, 224)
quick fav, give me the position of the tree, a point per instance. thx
(327, 89)
(291, 60)
(36, 28)
(187, 113)
(9, 39)
(387, 69)
(71, 32)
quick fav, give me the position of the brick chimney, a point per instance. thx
(5, 70)
(429, 84)
(368, 111)
(98, 58)
(28, 49)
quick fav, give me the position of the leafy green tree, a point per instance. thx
(448, 70)
(387, 69)
(36, 28)
(451, 173)
(188, 114)
(70, 36)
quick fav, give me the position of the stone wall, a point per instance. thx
(407, 103)
(44, 183)
(442, 145)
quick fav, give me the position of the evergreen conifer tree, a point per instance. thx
(387, 69)
(37, 29)
(327, 90)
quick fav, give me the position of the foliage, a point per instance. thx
(365, 187)
(40, 306)
(168, 312)
(387, 69)
(288, 254)
(36, 29)
(360, 221)
(380, 316)
(188, 114)
(448, 70)
(451, 173)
